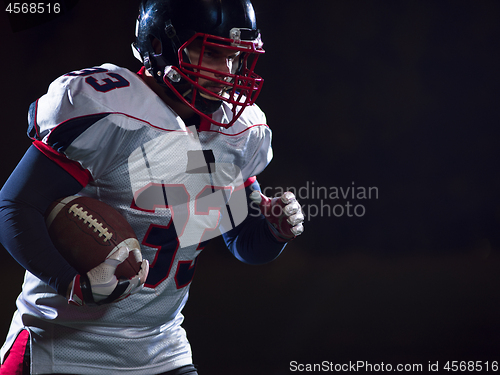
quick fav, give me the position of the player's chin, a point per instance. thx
(218, 90)
(214, 92)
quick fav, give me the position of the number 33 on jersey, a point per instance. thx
(191, 197)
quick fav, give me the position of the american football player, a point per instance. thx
(176, 149)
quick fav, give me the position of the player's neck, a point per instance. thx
(177, 106)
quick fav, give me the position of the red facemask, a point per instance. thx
(241, 85)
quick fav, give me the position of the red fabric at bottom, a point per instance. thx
(13, 365)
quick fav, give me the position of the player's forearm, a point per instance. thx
(253, 242)
(23, 234)
(23, 200)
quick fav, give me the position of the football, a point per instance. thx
(85, 231)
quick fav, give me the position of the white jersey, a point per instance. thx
(140, 158)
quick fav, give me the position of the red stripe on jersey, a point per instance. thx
(232, 135)
(13, 365)
(74, 168)
(142, 71)
(247, 183)
(250, 181)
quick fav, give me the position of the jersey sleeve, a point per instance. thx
(80, 118)
(258, 147)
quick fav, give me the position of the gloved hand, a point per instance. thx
(282, 213)
(100, 285)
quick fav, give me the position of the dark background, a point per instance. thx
(402, 96)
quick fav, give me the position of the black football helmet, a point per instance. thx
(174, 25)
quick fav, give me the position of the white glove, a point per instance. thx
(100, 285)
(282, 213)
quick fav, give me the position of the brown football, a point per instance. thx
(85, 231)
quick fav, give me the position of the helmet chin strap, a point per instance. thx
(187, 93)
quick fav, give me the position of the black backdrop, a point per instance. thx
(400, 97)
